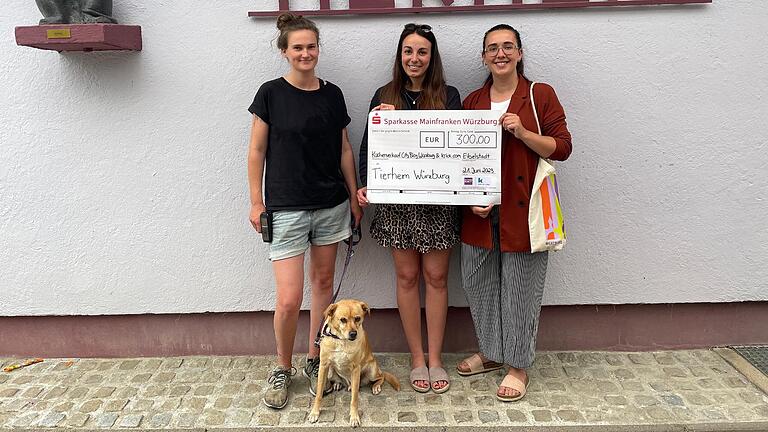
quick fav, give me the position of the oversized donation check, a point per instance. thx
(434, 157)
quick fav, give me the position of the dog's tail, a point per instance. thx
(391, 379)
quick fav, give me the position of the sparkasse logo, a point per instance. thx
(376, 119)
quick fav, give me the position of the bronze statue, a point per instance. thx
(75, 11)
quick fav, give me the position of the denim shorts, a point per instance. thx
(294, 230)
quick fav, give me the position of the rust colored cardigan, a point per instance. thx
(518, 165)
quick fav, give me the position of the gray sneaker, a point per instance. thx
(277, 396)
(310, 371)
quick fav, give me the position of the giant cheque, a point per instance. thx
(434, 157)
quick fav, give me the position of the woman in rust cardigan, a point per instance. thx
(502, 279)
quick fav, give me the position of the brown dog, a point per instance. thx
(346, 357)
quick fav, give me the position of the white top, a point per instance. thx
(500, 106)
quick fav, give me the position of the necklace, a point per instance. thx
(412, 100)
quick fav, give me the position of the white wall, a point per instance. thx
(123, 175)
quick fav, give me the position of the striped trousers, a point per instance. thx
(504, 291)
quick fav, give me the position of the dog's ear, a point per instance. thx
(365, 308)
(330, 310)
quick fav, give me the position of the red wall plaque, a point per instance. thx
(363, 7)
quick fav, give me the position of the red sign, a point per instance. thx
(364, 7)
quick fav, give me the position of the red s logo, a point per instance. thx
(376, 119)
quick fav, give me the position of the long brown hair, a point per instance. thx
(433, 92)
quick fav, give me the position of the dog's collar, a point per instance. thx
(327, 332)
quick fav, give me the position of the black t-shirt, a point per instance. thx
(303, 161)
(452, 102)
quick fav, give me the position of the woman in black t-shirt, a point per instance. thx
(299, 145)
(421, 236)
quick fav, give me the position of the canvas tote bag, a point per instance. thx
(545, 215)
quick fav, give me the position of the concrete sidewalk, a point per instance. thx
(570, 391)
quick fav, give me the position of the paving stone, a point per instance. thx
(186, 420)
(150, 365)
(164, 377)
(172, 363)
(572, 416)
(642, 358)
(675, 372)
(435, 417)
(55, 392)
(615, 359)
(24, 379)
(658, 413)
(51, 420)
(127, 392)
(517, 416)
(459, 400)
(487, 416)
(673, 399)
(8, 392)
(77, 420)
(272, 419)
(204, 390)
(240, 417)
(105, 420)
(141, 405)
(229, 389)
(616, 400)
(77, 393)
(762, 411)
(90, 406)
(26, 419)
(198, 403)
(159, 420)
(462, 416)
(751, 398)
(130, 421)
(223, 403)
(556, 401)
(32, 392)
(665, 359)
(709, 383)
(115, 405)
(407, 417)
(645, 400)
(541, 415)
(104, 392)
(566, 357)
(575, 372)
(141, 378)
(213, 417)
(295, 417)
(63, 407)
(633, 386)
(735, 382)
(327, 416)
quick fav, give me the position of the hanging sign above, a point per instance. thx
(365, 7)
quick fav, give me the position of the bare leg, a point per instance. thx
(289, 275)
(322, 265)
(435, 270)
(407, 269)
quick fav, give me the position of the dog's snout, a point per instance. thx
(352, 335)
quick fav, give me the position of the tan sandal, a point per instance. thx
(437, 374)
(420, 374)
(515, 384)
(478, 366)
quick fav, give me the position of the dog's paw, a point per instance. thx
(313, 416)
(337, 386)
(376, 389)
(354, 419)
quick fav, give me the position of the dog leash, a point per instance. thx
(351, 242)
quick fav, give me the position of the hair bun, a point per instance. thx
(285, 19)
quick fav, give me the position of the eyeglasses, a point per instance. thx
(508, 48)
(415, 27)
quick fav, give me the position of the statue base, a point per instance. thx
(80, 37)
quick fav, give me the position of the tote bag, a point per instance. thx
(545, 215)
